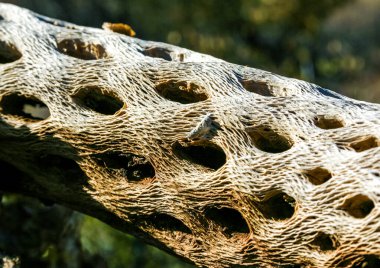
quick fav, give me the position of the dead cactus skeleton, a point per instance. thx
(219, 164)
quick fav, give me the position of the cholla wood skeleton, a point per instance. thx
(220, 164)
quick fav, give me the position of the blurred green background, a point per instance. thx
(333, 43)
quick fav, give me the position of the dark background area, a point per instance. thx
(333, 43)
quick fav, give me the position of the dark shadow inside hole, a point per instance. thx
(206, 154)
(368, 261)
(268, 140)
(99, 100)
(257, 87)
(66, 170)
(358, 206)
(27, 107)
(279, 206)
(79, 49)
(8, 52)
(131, 166)
(325, 242)
(158, 52)
(328, 122)
(318, 175)
(365, 143)
(165, 222)
(181, 91)
(12, 178)
(229, 219)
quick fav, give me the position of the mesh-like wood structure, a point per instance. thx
(220, 164)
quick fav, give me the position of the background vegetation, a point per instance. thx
(334, 43)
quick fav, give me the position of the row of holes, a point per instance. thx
(88, 51)
(358, 206)
(137, 168)
(278, 207)
(206, 154)
(229, 219)
(106, 102)
(29, 107)
(79, 49)
(182, 92)
(232, 222)
(178, 91)
(268, 140)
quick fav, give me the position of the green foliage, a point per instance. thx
(117, 249)
(36, 235)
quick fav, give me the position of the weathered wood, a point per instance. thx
(220, 164)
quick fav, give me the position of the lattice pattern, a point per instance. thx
(223, 165)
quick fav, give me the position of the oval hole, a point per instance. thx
(206, 154)
(268, 140)
(8, 52)
(158, 52)
(229, 219)
(27, 107)
(365, 143)
(67, 170)
(132, 167)
(279, 206)
(181, 91)
(358, 206)
(165, 222)
(257, 87)
(317, 175)
(328, 122)
(325, 242)
(79, 49)
(97, 99)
